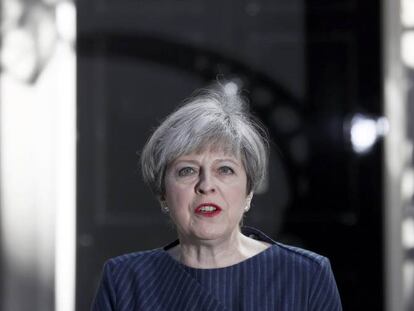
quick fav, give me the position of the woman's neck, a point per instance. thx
(217, 254)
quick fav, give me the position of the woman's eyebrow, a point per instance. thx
(180, 161)
(234, 161)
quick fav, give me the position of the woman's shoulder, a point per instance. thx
(283, 250)
(134, 260)
(298, 259)
(298, 252)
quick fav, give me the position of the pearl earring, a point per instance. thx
(164, 207)
(249, 199)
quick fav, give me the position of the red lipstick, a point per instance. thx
(208, 210)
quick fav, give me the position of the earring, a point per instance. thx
(249, 199)
(164, 207)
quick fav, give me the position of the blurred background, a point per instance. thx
(82, 86)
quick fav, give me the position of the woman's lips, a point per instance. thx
(208, 210)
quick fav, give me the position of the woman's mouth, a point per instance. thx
(208, 210)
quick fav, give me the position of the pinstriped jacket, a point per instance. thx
(282, 278)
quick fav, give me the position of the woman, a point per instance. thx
(204, 163)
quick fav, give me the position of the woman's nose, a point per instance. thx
(205, 184)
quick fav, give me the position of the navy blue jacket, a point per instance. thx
(282, 278)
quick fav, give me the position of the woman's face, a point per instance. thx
(206, 195)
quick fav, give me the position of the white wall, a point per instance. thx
(37, 174)
(398, 161)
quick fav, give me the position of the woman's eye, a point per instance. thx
(226, 170)
(185, 171)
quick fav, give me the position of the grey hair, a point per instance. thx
(211, 118)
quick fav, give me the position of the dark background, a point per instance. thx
(305, 66)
